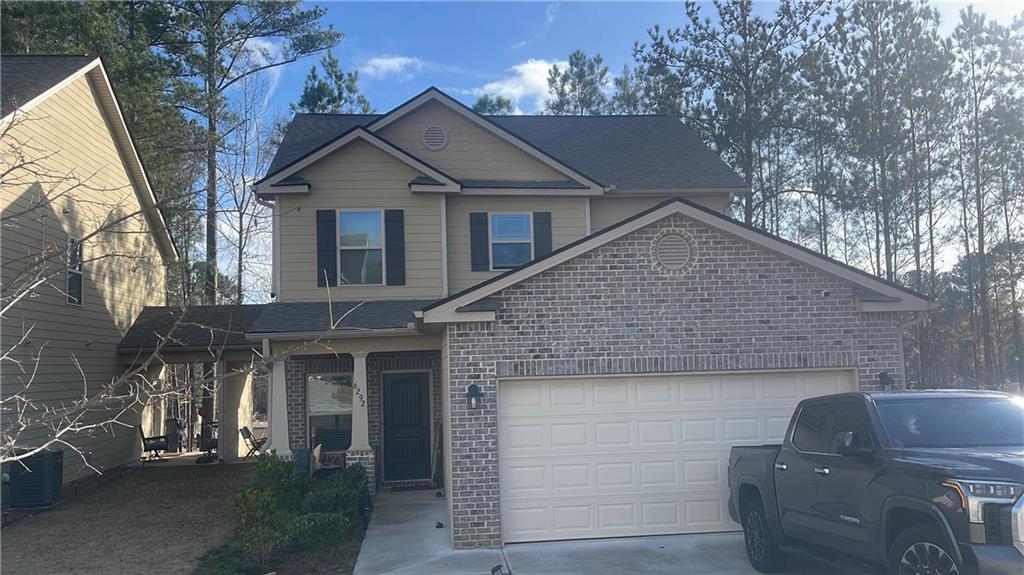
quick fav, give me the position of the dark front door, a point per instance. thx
(406, 426)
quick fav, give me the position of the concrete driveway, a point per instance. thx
(403, 538)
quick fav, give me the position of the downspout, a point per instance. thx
(275, 284)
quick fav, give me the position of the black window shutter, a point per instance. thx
(326, 248)
(478, 240)
(541, 234)
(394, 244)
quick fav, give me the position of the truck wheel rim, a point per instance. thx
(755, 535)
(926, 558)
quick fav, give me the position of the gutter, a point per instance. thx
(348, 333)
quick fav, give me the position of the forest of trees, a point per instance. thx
(867, 135)
(864, 131)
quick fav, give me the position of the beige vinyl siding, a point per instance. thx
(609, 210)
(359, 176)
(471, 153)
(568, 224)
(123, 271)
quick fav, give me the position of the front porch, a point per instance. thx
(380, 409)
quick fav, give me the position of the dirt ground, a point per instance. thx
(153, 520)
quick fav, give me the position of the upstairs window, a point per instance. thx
(73, 260)
(511, 240)
(361, 246)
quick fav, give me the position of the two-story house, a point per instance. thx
(555, 317)
(83, 245)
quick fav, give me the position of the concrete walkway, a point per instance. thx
(403, 539)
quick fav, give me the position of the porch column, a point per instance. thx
(220, 373)
(360, 412)
(360, 452)
(278, 420)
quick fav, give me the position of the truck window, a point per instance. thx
(811, 427)
(848, 416)
(953, 421)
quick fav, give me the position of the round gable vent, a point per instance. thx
(435, 138)
(673, 251)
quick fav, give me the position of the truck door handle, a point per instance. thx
(821, 471)
(781, 467)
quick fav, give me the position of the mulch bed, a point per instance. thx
(153, 520)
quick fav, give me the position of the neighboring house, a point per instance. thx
(554, 313)
(81, 224)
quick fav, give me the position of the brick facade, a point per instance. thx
(735, 306)
(298, 367)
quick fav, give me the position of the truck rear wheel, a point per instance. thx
(921, 549)
(762, 550)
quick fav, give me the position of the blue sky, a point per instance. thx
(468, 48)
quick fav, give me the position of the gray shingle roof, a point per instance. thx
(226, 326)
(353, 315)
(23, 77)
(201, 326)
(629, 152)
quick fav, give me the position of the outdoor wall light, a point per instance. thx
(885, 380)
(474, 396)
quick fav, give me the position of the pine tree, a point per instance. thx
(338, 92)
(578, 90)
(496, 104)
(219, 44)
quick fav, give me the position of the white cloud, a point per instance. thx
(549, 13)
(1002, 11)
(260, 51)
(527, 87)
(401, 67)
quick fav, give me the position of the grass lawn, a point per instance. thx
(153, 520)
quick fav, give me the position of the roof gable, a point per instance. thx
(26, 75)
(471, 152)
(882, 295)
(434, 96)
(282, 180)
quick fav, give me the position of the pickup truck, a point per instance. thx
(923, 483)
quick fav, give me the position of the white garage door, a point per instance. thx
(635, 455)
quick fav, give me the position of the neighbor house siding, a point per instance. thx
(471, 153)
(613, 311)
(359, 176)
(568, 224)
(68, 135)
(609, 210)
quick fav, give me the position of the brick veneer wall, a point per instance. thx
(737, 306)
(298, 367)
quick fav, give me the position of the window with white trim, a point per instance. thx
(511, 240)
(361, 247)
(329, 408)
(73, 261)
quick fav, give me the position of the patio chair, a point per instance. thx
(255, 445)
(154, 445)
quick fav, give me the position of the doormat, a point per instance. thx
(411, 488)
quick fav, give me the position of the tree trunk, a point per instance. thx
(210, 285)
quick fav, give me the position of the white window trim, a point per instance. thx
(383, 246)
(79, 272)
(491, 241)
(309, 428)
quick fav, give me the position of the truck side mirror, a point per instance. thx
(851, 444)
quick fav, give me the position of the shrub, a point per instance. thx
(276, 511)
